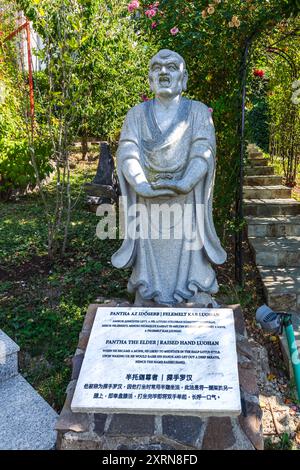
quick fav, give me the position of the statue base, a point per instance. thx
(122, 431)
(201, 300)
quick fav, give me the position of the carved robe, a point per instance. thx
(166, 269)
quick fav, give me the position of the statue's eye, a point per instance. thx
(172, 67)
(156, 68)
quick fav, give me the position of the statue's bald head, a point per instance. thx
(167, 62)
(166, 54)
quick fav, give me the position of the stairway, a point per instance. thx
(26, 420)
(273, 224)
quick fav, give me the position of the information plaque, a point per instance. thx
(160, 361)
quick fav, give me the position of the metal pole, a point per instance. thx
(30, 76)
(239, 259)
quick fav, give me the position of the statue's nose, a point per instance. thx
(163, 70)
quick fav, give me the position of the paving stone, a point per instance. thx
(131, 425)
(261, 170)
(281, 226)
(248, 380)
(151, 447)
(76, 365)
(267, 192)
(281, 252)
(281, 280)
(27, 421)
(262, 180)
(184, 429)
(84, 339)
(244, 348)
(90, 317)
(71, 441)
(258, 161)
(238, 319)
(218, 435)
(281, 287)
(69, 421)
(251, 423)
(255, 154)
(99, 420)
(271, 207)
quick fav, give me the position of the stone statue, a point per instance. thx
(166, 167)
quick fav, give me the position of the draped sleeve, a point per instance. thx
(129, 147)
(204, 147)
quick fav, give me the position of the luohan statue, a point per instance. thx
(166, 168)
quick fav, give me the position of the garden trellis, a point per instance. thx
(26, 27)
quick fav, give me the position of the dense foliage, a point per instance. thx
(17, 172)
(95, 63)
(94, 45)
(258, 111)
(272, 107)
(212, 37)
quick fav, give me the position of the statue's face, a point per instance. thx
(167, 76)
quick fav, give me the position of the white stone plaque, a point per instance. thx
(160, 361)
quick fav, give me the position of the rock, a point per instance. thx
(185, 429)
(251, 424)
(218, 434)
(131, 425)
(99, 420)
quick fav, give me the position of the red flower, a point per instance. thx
(258, 73)
(151, 12)
(144, 98)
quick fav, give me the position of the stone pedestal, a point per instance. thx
(103, 188)
(26, 420)
(167, 432)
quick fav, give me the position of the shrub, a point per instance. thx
(16, 169)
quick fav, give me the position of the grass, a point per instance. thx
(283, 442)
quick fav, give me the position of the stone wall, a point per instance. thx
(168, 432)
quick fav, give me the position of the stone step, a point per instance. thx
(8, 357)
(281, 252)
(273, 226)
(267, 192)
(282, 287)
(260, 161)
(262, 180)
(27, 421)
(259, 170)
(271, 207)
(255, 154)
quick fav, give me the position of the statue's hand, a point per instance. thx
(180, 187)
(145, 190)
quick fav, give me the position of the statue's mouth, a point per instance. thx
(164, 81)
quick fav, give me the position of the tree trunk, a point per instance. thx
(84, 146)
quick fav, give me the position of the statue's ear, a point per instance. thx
(185, 80)
(150, 82)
